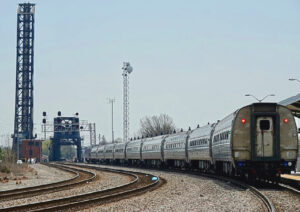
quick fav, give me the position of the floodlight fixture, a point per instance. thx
(259, 100)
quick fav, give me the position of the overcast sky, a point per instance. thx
(193, 60)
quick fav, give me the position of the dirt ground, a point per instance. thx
(24, 175)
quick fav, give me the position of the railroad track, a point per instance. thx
(264, 199)
(291, 185)
(289, 188)
(80, 177)
(141, 183)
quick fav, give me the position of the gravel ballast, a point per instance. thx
(184, 192)
(283, 200)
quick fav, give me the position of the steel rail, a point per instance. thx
(289, 188)
(50, 187)
(101, 196)
(266, 201)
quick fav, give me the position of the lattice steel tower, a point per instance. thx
(23, 126)
(127, 69)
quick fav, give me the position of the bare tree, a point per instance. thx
(156, 125)
(103, 140)
(118, 140)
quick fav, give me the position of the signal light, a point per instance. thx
(285, 120)
(243, 121)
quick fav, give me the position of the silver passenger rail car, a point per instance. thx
(109, 153)
(199, 147)
(119, 153)
(92, 156)
(152, 151)
(100, 153)
(221, 144)
(174, 149)
(133, 152)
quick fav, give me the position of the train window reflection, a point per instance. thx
(264, 125)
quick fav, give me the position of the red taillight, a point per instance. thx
(243, 121)
(285, 120)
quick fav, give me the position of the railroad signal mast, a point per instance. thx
(66, 131)
(23, 121)
(127, 69)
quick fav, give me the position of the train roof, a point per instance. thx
(292, 103)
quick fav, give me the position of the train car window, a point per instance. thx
(264, 125)
(37, 144)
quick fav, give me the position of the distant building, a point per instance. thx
(31, 149)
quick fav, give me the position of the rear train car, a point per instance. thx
(258, 140)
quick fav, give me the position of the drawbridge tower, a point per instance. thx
(66, 132)
(23, 123)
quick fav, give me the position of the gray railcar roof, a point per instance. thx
(292, 103)
(201, 131)
(154, 140)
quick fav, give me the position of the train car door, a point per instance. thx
(264, 138)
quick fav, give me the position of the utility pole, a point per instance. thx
(127, 69)
(92, 129)
(111, 101)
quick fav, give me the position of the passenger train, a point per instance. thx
(256, 141)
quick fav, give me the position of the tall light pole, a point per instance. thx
(294, 79)
(111, 101)
(260, 100)
(127, 69)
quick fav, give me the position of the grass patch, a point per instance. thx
(8, 166)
